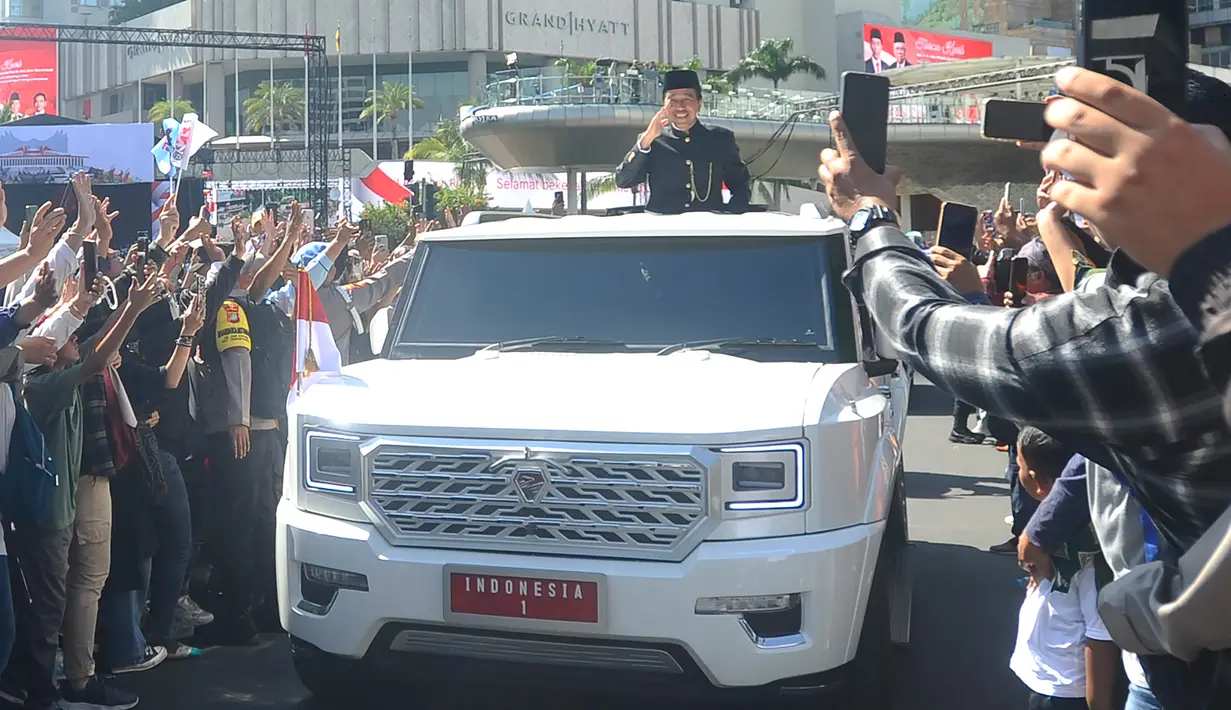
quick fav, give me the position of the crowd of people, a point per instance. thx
(1107, 383)
(143, 414)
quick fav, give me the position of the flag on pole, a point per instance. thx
(190, 138)
(316, 353)
(337, 39)
(162, 151)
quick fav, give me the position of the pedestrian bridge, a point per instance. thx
(549, 122)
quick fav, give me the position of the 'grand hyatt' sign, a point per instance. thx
(571, 23)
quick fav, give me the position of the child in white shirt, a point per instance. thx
(1063, 653)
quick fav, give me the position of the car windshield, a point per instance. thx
(766, 294)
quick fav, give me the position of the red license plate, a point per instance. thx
(523, 597)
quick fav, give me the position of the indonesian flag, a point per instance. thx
(316, 353)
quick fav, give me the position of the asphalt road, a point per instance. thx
(965, 603)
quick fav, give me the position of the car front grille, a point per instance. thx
(617, 503)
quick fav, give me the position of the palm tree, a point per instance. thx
(164, 109)
(281, 102)
(389, 102)
(447, 145)
(774, 60)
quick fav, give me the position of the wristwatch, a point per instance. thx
(869, 217)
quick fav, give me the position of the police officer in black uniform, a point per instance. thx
(686, 162)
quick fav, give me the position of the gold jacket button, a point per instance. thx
(688, 186)
(688, 140)
(688, 162)
(687, 204)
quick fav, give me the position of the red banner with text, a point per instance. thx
(886, 48)
(29, 72)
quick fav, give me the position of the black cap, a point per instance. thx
(899, 37)
(681, 79)
(876, 33)
(15, 97)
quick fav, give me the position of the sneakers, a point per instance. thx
(154, 655)
(1008, 547)
(180, 651)
(96, 695)
(957, 436)
(192, 613)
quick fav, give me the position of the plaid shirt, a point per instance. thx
(1111, 372)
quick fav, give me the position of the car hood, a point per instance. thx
(688, 397)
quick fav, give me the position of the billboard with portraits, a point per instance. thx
(886, 47)
(29, 72)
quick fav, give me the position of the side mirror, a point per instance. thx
(880, 368)
(378, 330)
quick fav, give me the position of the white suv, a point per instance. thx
(647, 452)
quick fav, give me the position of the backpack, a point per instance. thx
(28, 485)
(273, 358)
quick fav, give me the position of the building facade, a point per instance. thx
(1209, 26)
(58, 12)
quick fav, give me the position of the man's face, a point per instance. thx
(876, 47)
(15, 105)
(899, 51)
(682, 107)
(40, 103)
(68, 354)
(1030, 483)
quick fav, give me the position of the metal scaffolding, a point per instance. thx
(209, 158)
(319, 101)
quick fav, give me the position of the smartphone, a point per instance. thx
(1019, 275)
(989, 219)
(309, 220)
(143, 245)
(957, 227)
(1005, 120)
(1002, 271)
(382, 242)
(1150, 56)
(31, 211)
(1007, 186)
(89, 262)
(864, 104)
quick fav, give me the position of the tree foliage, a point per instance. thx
(287, 101)
(775, 60)
(447, 145)
(390, 219)
(163, 109)
(388, 103)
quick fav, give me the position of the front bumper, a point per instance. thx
(649, 621)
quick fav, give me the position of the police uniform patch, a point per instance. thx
(231, 329)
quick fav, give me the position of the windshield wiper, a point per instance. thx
(736, 343)
(560, 340)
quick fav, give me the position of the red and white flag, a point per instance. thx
(316, 353)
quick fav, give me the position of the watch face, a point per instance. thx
(860, 221)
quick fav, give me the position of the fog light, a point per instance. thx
(743, 605)
(761, 476)
(336, 578)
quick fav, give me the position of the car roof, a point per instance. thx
(695, 224)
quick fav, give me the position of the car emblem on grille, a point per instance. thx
(529, 475)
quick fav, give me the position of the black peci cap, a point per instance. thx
(876, 34)
(681, 79)
(899, 37)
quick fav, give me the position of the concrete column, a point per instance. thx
(476, 76)
(214, 113)
(584, 193)
(570, 200)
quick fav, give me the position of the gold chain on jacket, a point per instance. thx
(709, 183)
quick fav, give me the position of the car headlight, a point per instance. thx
(333, 463)
(764, 476)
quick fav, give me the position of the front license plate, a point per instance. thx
(535, 598)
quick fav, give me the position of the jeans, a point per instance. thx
(173, 522)
(119, 616)
(8, 622)
(1141, 699)
(1021, 504)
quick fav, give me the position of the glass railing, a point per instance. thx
(513, 89)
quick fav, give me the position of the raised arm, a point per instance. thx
(139, 298)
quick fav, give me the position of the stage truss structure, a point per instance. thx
(209, 158)
(318, 99)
